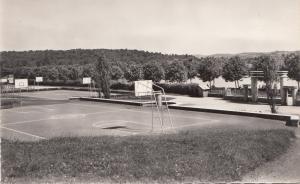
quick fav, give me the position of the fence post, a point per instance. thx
(224, 92)
(254, 89)
(282, 90)
(294, 95)
(284, 96)
(245, 92)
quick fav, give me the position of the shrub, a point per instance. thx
(183, 89)
(122, 86)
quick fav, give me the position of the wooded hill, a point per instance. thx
(12, 59)
(251, 55)
(72, 65)
(120, 57)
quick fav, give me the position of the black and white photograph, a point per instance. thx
(149, 91)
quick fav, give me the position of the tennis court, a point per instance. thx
(48, 114)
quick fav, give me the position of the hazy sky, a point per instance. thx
(167, 26)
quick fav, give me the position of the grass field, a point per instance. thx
(199, 155)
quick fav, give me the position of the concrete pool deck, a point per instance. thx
(51, 110)
(220, 103)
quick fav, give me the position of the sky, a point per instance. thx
(166, 26)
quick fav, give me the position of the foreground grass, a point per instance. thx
(212, 155)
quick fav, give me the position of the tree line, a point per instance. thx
(12, 59)
(138, 65)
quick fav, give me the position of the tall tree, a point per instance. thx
(176, 72)
(269, 66)
(64, 72)
(50, 73)
(88, 71)
(103, 76)
(209, 69)
(75, 72)
(153, 71)
(133, 72)
(234, 70)
(116, 72)
(292, 63)
(191, 67)
(24, 72)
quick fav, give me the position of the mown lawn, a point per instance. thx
(198, 155)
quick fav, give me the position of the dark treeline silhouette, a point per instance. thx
(67, 66)
(14, 61)
(11, 59)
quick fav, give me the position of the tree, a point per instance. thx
(176, 72)
(234, 69)
(24, 72)
(74, 73)
(153, 71)
(50, 73)
(116, 72)
(209, 69)
(191, 67)
(133, 72)
(5, 71)
(269, 66)
(88, 71)
(37, 71)
(63, 72)
(292, 63)
(103, 76)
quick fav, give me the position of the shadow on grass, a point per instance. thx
(198, 155)
(18, 101)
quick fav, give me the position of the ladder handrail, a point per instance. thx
(160, 117)
(164, 94)
(171, 121)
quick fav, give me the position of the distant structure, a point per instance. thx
(255, 75)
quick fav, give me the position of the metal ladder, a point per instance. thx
(161, 109)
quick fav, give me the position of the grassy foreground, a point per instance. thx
(199, 155)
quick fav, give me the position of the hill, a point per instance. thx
(249, 55)
(12, 59)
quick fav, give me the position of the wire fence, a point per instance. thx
(237, 91)
(216, 91)
(262, 93)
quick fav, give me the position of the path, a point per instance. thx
(220, 103)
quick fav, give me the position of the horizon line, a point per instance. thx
(164, 53)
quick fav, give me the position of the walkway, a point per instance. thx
(220, 103)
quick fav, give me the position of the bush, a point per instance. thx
(183, 89)
(177, 88)
(122, 86)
